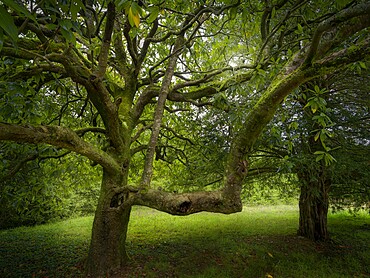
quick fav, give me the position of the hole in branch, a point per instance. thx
(184, 206)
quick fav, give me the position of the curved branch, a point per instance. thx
(19, 165)
(143, 100)
(175, 134)
(343, 57)
(332, 22)
(82, 131)
(60, 137)
(32, 157)
(130, 44)
(208, 76)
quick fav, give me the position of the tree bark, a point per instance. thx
(313, 206)
(107, 252)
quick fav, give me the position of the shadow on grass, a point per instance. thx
(250, 244)
(54, 250)
(253, 256)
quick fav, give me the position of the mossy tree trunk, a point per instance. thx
(313, 206)
(107, 252)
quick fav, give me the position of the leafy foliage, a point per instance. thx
(45, 190)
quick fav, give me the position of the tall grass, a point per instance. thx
(258, 242)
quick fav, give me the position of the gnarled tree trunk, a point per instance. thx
(107, 248)
(313, 206)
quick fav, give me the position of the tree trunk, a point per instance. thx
(107, 251)
(313, 207)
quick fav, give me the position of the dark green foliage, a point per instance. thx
(351, 189)
(271, 189)
(44, 190)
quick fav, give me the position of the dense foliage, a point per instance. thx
(44, 190)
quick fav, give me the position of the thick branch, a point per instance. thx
(60, 137)
(342, 58)
(336, 37)
(335, 20)
(187, 203)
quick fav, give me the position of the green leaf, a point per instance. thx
(317, 89)
(65, 24)
(123, 5)
(136, 9)
(299, 29)
(329, 159)
(154, 11)
(7, 24)
(321, 101)
(19, 8)
(319, 157)
(133, 33)
(133, 18)
(317, 135)
(314, 107)
(76, 6)
(233, 12)
(273, 12)
(293, 125)
(68, 35)
(362, 65)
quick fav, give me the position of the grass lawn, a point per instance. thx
(258, 242)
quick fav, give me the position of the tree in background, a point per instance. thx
(321, 136)
(333, 148)
(122, 72)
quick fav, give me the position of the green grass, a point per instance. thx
(257, 242)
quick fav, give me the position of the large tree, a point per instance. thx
(320, 134)
(330, 155)
(137, 68)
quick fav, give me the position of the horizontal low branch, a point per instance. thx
(187, 203)
(60, 137)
